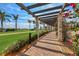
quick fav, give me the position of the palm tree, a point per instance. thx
(29, 21)
(15, 18)
(9, 23)
(3, 17)
(40, 25)
(34, 24)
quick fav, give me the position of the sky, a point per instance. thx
(12, 8)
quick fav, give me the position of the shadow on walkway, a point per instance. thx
(52, 50)
(50, 43)
(52, 40)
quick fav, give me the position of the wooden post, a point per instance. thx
(47, 27)
(56, 28)
(37, 27)
(43, 26)
(50, 27)
(39, 22)
(60, 20)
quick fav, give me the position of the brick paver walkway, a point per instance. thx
(48, 45)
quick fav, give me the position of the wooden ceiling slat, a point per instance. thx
(49, 21)
(37, 5)
(48, 14)
(49, 9)
(48, 18)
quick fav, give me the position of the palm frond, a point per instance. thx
(7, 15)
(3, 15)
(15, 16)
(8, 19)
(33, 21)
(29, 21)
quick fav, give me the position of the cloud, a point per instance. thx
(20, 25)
(8, 25)
(13, 8)
(22, 17)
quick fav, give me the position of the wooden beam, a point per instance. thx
(49, 21)
(48, 13)
(37, 5)
(37, 27)
(60, 18)
(49, 16)
(49, 9)
(63, 7)
(56, 12)
(23, 7)
(60, 25)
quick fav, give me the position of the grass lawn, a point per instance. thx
(8, 40)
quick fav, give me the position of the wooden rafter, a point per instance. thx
(37, 5)
(25, 8)
(49, 21)
(48, 14)
(63, 7)
(49, 17)
(56, 12)
(49, 9)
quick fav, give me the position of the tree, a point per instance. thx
(15, 18)
(40, 25)
(3, 17)
(34, 24)
(29, 21)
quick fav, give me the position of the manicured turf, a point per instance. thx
(8, 40)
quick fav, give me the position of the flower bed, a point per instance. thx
(72, 40)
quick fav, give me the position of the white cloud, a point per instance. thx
(20, 25)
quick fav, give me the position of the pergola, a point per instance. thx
(51, 18)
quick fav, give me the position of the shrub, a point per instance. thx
(6, 30)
